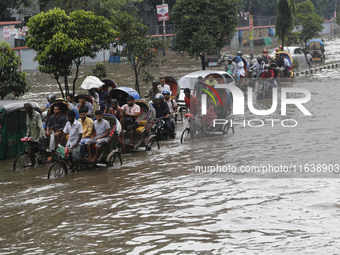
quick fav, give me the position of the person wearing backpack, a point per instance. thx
(171, 104)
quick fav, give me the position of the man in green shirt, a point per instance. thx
(12, 95)
(211, 81)
(35, 128)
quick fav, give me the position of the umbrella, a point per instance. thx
(91, 82)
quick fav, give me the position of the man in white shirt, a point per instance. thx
(101, 134)
(75, 131)
(162, 84)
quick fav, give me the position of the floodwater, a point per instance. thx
(153, 205)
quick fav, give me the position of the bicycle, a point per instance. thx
(198, 133)
(60, 167)
(23, 159)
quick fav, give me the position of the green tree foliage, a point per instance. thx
(284, 19)
(104, 8)
(62, 41)
(203, 26)
(7, 7)
(308, 23)
(9, 74)
(140, 49)
(100, 71)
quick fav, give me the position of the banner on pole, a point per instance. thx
(162, 12)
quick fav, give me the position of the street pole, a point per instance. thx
(164, 32)
(251, 21)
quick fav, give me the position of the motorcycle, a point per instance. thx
(159, 129)
(264, 90)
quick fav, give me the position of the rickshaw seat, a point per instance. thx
(141, 127)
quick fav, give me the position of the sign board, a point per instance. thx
(162, 12)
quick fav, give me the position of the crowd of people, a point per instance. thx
(82, 131)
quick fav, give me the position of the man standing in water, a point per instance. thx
(35, 128)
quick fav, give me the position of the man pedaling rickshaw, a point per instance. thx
(162, 111)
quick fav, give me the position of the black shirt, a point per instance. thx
(162, 110)
(57, 123)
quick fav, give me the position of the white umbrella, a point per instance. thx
(91, 82)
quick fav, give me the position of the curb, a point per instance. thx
(317, 69)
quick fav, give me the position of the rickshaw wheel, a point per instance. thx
(22, 161)
(185, 135)
(114, 159)
(226, 129)
(153, 143)
(58, 169)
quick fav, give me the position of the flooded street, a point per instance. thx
(152, 204)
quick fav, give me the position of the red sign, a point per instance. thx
(162, 12)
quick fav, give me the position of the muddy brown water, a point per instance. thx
(152, 205)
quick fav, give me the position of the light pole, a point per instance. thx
(164, 32)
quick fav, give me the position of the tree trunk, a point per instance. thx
(61, 90)
(66, 86)
(282, 40)
(75, 79)
(305, 52)
(202, 59)
(137, 84)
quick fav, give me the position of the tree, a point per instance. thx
(203, 26)
(308, 23)
(62, 41)
(10, 77)
(140, 49)
(7, 7)
(284, 19)
(100, 71)
(104, 8)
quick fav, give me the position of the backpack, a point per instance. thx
(265, 59)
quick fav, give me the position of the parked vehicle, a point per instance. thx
(13, 127)
(296, 53)
(316, 48)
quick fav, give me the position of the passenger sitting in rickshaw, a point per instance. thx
(56, 123)
(131, 117)
(83, 103)
(162, 111)
(87, 124)
(75, 131)
(100, 134)
(101, 93)
(208, 119)
(283, 62)
(107, 105)
(121, 100)
(116, 111)
(94, 94)
(69, 99)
